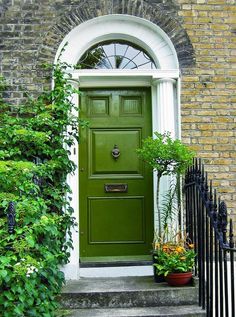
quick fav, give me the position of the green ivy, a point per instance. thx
(34, 164)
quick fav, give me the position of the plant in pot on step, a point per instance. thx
(169, 210)
(176, 260)
(166, 156)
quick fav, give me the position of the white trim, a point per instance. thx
(120, 77)
(158, 45)
(121, 27)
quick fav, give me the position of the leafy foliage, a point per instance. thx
(34, 164)
(166, 156)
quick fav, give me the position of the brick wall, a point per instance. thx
(204, 35)
(209, 90)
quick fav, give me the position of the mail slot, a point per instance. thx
(116, 188)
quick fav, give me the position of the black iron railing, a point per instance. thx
(210, 230)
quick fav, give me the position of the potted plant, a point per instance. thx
(169, 208)
(166, 156)
(176, 261)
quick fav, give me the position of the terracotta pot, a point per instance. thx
(179, 279)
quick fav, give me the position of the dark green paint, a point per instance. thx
(115, 223)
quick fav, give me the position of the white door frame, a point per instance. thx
(164, 83)
(165, 117)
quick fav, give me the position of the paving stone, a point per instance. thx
(188, 311)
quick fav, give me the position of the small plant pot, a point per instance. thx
(179, 279)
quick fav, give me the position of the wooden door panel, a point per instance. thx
(118, 227)
(99, 106)
(131, 106)
(103, 141)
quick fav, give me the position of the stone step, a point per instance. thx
(125, 292)
(171, 311)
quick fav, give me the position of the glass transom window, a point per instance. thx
(116, 55)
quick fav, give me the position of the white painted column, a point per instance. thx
(166, 104)
(165, 114)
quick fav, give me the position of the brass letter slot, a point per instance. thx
(116, 188)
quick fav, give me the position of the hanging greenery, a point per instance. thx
(34, 164)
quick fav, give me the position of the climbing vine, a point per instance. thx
(35, 142)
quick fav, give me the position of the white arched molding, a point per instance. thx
(164, 84)
(120, 27)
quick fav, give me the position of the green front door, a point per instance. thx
(116, 195)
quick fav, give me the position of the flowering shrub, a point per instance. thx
(173, 257)
(34, 163)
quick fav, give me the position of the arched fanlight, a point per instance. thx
(116, 55)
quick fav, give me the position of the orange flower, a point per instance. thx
(179, 249)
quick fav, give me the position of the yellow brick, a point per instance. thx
(186, 7)
(223, 176)
(222, 119)
(206, 133)
(223, 183)
(188, 85)
(207, 147)
(224, 154)
(188, 20)
(191, 119)
(204, 20)
(224, 147)
(187, 13)
(223, 161)
(190, 78)
(203, 13)
(220, 40)
(204, 45)
(232, 72)
(199, 7)
(216, 1)
(212, 168)
(219, 27)
(195, 147)
(226, 190)
(205, 71)
(208, 154)
(206, 113)
(223, 133)
(207, 140)
(218, 14)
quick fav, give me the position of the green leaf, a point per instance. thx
(30, 241)
(3, 273)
